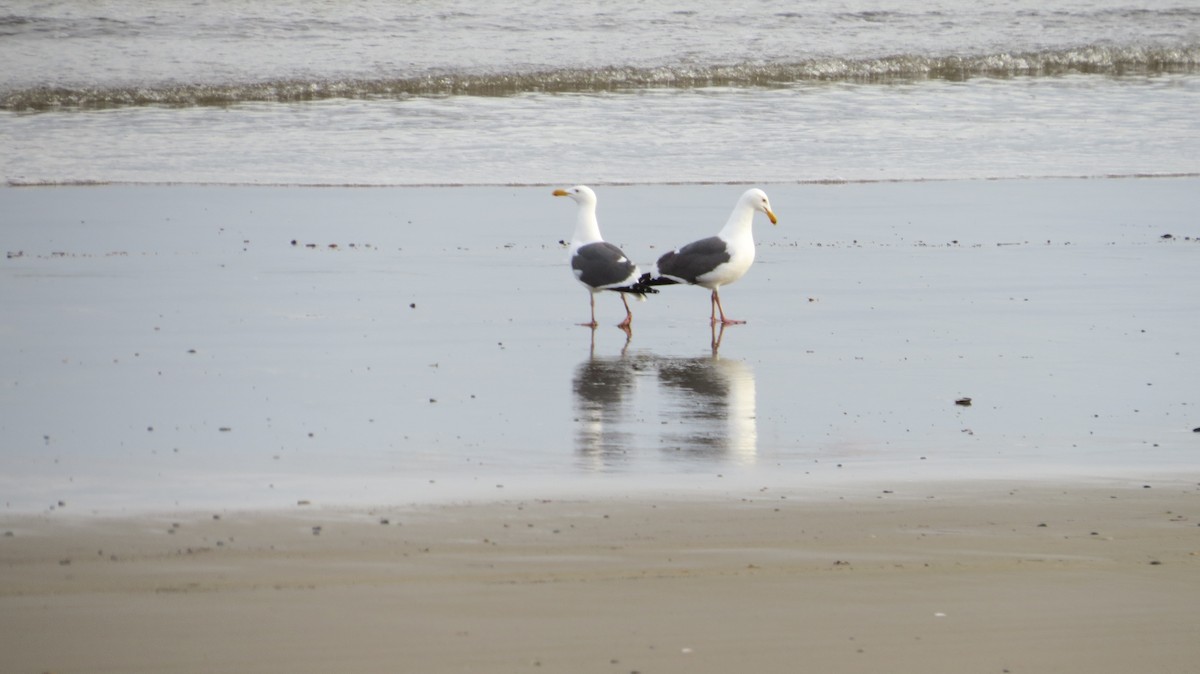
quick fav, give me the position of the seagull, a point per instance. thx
(597, 264)
(717, 260)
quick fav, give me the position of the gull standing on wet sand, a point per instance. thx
(717, 260)
(597, 264)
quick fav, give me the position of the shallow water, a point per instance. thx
(1067, 126)
(531, 92)
(171, 347)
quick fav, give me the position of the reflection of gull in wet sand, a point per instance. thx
(601, 386)
(714, 401)
(706, 407)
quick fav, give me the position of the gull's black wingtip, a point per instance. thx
(637, 289)
(647, 281)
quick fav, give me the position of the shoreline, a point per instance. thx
(449, 491)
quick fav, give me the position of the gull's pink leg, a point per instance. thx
(624, 325)
(724, 321)
(593, 324)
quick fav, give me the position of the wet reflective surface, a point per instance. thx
(689, 409)
(173, 348)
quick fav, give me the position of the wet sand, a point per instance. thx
(195, 347)
(986, 577)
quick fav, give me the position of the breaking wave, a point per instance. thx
(1096, 60)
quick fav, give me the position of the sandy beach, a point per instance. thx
(294, 377)
(336, 429)
(984, 577)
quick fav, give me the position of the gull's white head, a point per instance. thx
(757, 199)
(582, 194)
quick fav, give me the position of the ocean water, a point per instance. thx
(534, 92)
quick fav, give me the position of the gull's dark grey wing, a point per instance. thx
(694, 260)
(601, 265)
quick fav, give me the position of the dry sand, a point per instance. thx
(953, 577)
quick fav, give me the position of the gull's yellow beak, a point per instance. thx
(774, 220)
(561, 193)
